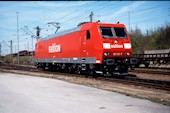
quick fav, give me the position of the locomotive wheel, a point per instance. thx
(91, 72)
(43, 68)
(70, 70)
(79, 72)
(146, 64)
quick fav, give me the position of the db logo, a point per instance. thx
(54, 48)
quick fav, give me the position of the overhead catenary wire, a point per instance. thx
(71, 19)
(137, 15)
(124, 15)
(150, 19)
(98, 9)
(147, 12)
(75, 17)
(68, 14)
(52, 13)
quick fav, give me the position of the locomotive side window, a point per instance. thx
(120, 32)
(106, 32)
(88, 35)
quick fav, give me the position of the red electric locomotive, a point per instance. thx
(91, 47)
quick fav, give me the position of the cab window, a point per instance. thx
(88, 35)
(106, 32)
(120, 32)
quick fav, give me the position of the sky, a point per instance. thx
(145, 15)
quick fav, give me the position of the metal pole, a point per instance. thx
(38, 32)
(129, 19)
(18, 36)
(0, 52)
(28, 45)
(11, 51)
(91, 17)
(32, 47)
(15, 49)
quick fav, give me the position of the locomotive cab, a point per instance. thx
(116, 42)
(117, 49)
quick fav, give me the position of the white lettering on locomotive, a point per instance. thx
(116, 46)
(54, 48)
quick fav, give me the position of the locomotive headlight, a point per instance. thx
(127, 45)
(106, 45)
(127, 53)
(106, 53)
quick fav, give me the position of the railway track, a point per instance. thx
(151, 71)
(129, 80)
(157, 84)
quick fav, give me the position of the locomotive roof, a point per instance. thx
(86, 25)
(58, 34)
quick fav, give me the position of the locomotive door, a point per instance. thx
(83, 45)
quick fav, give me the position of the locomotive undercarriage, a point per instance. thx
(113, 67)
(108, 67)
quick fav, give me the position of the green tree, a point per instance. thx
(158, 38)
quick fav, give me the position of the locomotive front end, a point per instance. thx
(117, 49)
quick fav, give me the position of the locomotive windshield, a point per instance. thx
(120, 32)
(106, 32)
(110, 32)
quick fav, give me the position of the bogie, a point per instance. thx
(90, 69)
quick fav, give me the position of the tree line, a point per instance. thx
(157, 38)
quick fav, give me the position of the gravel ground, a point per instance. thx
(155, 95)
(152, 76)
